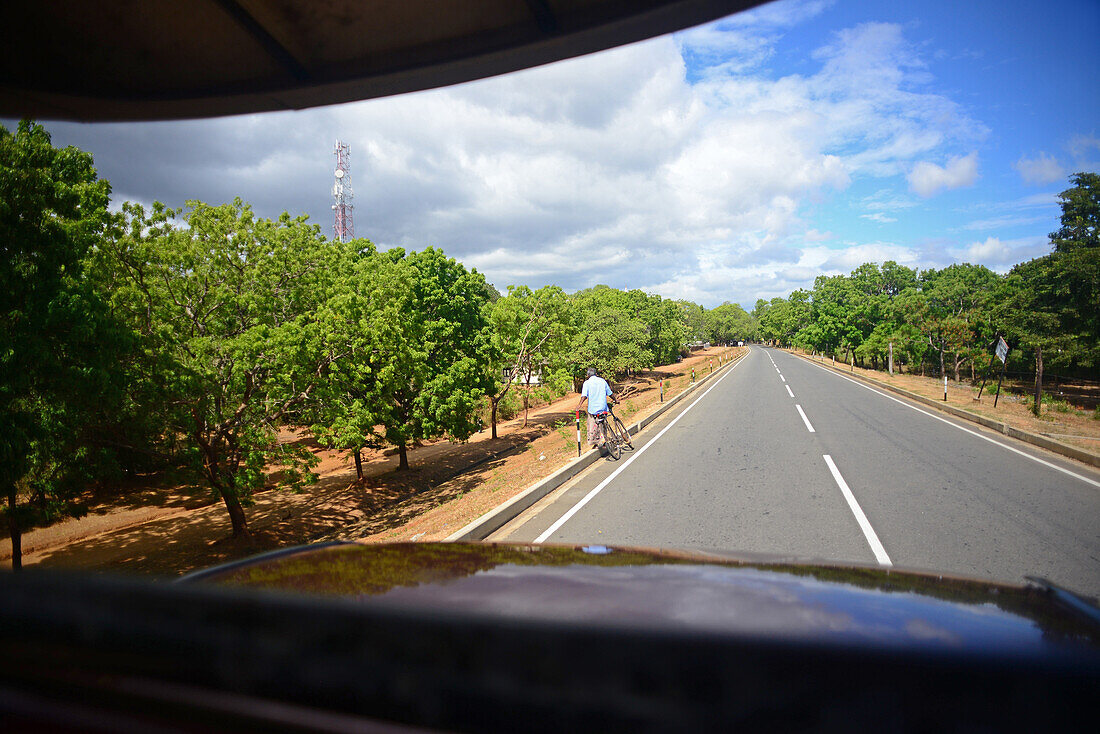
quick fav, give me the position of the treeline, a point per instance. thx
(945, 321)
(187, 338)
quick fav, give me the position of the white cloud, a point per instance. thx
(927, 179)
(1001, 255)
(625, 167)
(878, 217)
(1042, 169)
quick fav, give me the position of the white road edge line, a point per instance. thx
(864, 523)
(805, 419)
(789, 390)
(994, 441)
(588, 497)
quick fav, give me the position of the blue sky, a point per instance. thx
(731, 162)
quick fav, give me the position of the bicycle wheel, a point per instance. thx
(611, 441)
(624, 435)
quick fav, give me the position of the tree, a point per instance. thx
(609, 336)
(530, 331)
(1053, 302)
(57, 357)
(729, 322)
(229, 312)
(956, 320)
(436, 379)
(364, 325)
(1080, 215)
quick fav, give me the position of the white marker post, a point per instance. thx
(578, 433)
(945, 388)
(661, 383)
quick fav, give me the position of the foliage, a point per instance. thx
(529, 335)
(442, 369)
(59, 356)
(230, 309)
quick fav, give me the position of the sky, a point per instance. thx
(730, 162)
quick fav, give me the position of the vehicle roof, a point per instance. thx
(101, 60)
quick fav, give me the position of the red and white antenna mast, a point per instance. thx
(343, 226)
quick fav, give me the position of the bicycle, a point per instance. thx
(618, 427)
(610, 439)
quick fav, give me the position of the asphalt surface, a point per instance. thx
(738, 469)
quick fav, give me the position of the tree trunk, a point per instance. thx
(958, 363)
(359, 465)
(943, 365)
(493, 413)
(236, 514)
(1038, 379)
(403, 453)
(16, 532)
(526, 400)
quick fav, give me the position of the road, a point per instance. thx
(781, 456)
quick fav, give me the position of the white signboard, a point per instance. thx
(1002, 349)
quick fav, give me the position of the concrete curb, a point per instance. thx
(501, 515)
(1064, 449)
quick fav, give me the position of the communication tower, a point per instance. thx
(343, 226)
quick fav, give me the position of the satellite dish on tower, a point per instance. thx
(339, 173)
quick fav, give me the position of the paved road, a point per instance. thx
(782, 456)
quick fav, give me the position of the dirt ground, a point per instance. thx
(156, 529)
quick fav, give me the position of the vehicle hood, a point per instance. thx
(676, 591)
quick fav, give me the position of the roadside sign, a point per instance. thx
(1002, 349)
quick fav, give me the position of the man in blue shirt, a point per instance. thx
(596, 391)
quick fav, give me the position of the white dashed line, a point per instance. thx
(789, 390)
(864, 523)
(805, 419)
(1013, 449)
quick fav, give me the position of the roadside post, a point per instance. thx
(945, 388)
(693, 375)
(1002, 354)
(661, 384)
(578, 416)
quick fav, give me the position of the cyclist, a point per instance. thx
(596, 391)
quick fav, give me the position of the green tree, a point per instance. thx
(609, 336)
(663, 322)
(228, 308)
(729, 322)
(442, 371)
(365, 326)
(1051, 305)
(530, 333)
(58, 356)
(1080, 215)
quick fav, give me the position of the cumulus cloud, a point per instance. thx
(1001, 255)
(1042, 169)
(680, 164)
(927, 179)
